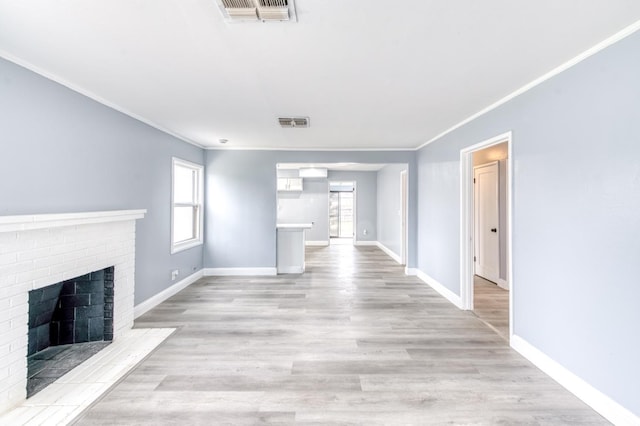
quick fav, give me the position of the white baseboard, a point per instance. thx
(316, 243)
(153, 301)
(502, 284)
(290, 270)
(600, 402)
(365, 243)
(224, 272)
(411, 271)
(389, 252)
(434, 284)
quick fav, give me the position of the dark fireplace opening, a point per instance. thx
(68, 323)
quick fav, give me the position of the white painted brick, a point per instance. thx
(32, 275)
(59, 268)
(16, 363)
(13, 380)
(5, 327)
(19, 315)
(7, 280)
(8, 258)
(49, 241)
(18, 299)
(8, 237)
(45, 256)
(34, 253)
(16, 268)
(18, 366)
(46, 281)
(7, 291)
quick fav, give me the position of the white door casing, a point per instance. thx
(403, 214)
(486, 221)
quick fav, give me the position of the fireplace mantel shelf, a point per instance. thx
(42, 221)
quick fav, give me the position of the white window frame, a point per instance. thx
(198, 205)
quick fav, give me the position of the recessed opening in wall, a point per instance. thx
(341, 212)
(69, 322)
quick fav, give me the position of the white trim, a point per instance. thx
(53, 77)
(565, 66)
(247, 272)
(144, 307)
(316, 243)
(365, 243)
(290, 270)
(56, 220)
(296, 149)
(503, 283)
(600, 402)
(434, 284)
(388, 251)
(198, 205)
(404, 208)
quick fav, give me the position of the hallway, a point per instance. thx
(351, 341)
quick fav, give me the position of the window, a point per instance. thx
(186, 205)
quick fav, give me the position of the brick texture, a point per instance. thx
(34, 259)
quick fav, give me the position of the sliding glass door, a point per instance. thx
(341, 214)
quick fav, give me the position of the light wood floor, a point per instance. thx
(491, 304)
(352, 341)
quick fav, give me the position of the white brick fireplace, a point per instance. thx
(40, 250)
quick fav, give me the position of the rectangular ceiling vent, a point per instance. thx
(258, 10)
(291, 122)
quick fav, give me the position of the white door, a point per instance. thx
(486, 221)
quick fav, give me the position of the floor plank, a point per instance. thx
(351, 341)
(491, 305)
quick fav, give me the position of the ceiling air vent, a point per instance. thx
(291, 122)
(273, 10)
(258, 10)
(238, 10)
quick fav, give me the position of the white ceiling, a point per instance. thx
(370, 74)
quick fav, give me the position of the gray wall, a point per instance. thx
(390, 208)
(576, 216)
(63, 152)
(310, 205)
(366, 196)
(241, 201)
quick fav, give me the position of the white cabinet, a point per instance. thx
(290, 247)
(289, 184)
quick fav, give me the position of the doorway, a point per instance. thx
(342, 212)
(485, 270)
(486, 220)
(404, 216)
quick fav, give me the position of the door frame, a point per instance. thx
(467, 218)
(353, 211)
(404, 212)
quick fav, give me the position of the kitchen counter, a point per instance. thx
(294, 225)
(290, 247)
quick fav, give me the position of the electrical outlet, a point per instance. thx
(174, 274)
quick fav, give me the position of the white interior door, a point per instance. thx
(486, 221)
